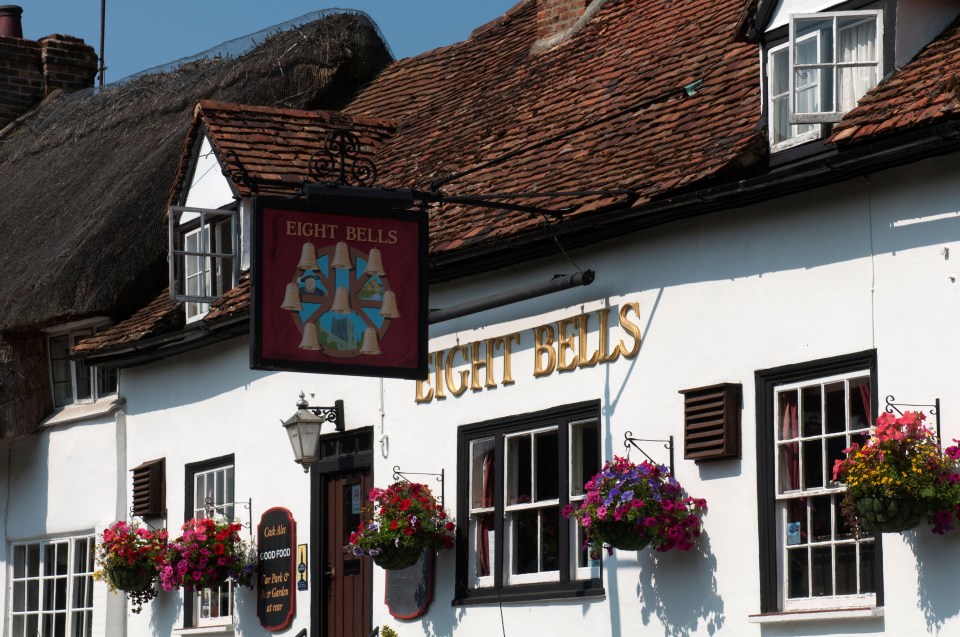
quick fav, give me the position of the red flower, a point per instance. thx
(450, 526)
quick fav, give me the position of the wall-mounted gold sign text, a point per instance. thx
(562, 346)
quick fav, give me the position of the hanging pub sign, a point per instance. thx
(276, 574)
(339, 290)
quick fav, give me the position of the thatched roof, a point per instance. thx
(84, 179)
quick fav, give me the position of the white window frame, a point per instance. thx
(829, 488)
(216, 269)
(213, 500)
(476, 510)
(97, 388)
(510, 511)
(75, 576)
(832, 67)
(796, 138)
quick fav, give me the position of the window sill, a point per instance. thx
(84, 411)
(868, 612)
(226, 629)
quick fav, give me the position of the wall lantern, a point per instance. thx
(305, 428)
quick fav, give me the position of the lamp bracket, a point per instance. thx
(210, 509)
(402, 475)
(629, 441)
(332, 414)
(933, 407)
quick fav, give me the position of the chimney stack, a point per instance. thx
(10, 25)
(555, 17)
(31, 70)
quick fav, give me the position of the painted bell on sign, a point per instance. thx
(291, 298)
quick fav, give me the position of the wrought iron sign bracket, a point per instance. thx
(209, 508)
(403, 475)
(934, 408)
(630, 441)
(339, 163)
(332, 414)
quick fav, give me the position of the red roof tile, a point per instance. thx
(271, 146)
(156, 318)
(476, 101)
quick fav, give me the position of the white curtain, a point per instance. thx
(858, 43)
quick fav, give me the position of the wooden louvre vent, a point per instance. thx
(711, 422)
(149, 490)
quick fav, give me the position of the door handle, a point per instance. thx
(331, 571)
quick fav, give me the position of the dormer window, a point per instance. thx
(829, 61)
(72, 380)
(203, 256)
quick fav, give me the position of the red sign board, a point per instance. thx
(339, 291)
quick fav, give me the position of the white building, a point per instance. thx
(803, 270)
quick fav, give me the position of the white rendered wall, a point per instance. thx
(66, 481)
(847, 268)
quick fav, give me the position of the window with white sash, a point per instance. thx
(835, 58)
(811, 560)
(517, 475)
(204, 261)
(52, 588)
(211, 496)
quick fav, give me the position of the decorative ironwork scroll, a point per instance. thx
(934, 409)
(339, 162)
(234, 170)
(402, 475)
(209, 509)
(630, 441)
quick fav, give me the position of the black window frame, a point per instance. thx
(566, 587)
(190, 472)
(766, 381)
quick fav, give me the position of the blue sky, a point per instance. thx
(143, 34)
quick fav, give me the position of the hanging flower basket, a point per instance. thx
(207, 554)
(131, 578)
(625, 536)
(899, 477)
(890, 515)
(395, 558)
(399, 523)
(631, 506)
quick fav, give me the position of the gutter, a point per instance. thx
(191, 337)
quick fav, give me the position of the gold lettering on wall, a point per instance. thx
(543, 344)
(562, 346)
(455, 389)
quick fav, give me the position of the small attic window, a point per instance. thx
(835, 58)
(711, 422)
(203, 256)
(149, 490)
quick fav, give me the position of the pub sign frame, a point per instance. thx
(339, 289)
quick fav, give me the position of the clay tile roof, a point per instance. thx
(603, 110)
(926, 91)
(272, 146)
(155, 318)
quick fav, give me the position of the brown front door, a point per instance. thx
(347, 579)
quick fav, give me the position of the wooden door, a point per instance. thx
(347, 579)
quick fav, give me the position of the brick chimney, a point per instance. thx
(30, 70)
(557, 16)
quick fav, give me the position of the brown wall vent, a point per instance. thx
(149, 490)
(711, 422)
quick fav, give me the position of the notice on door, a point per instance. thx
(276, 568)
